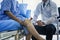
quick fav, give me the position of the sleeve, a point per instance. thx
(6, 5)
(36, 13)
(54, 15)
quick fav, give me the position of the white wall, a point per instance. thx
(57, 2)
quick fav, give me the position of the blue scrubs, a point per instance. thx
(6, 23)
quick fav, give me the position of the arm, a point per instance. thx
(6, 6)
(13, 17)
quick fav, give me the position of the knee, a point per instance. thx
(27, 22)
(51, 28)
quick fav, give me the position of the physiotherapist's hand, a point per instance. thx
(40, 23)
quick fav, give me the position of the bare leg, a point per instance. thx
(28, 37)
(32, 30)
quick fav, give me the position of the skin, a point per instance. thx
(39, 22)
(27, 24)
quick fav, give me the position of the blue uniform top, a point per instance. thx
(10, 5)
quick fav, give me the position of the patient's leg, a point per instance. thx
(28, 37)
(32, 30)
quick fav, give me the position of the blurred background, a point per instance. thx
(32, 5)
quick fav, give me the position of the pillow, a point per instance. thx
(28, 13)
(23, 9)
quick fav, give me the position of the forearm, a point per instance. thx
(13, 17)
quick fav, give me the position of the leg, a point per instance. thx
(41, 30)
(8, 25)
(31, 29)
(50, 30)
(28, 37)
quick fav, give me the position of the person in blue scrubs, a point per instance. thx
(11, 20)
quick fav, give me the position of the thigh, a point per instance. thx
(41, 29)
(50, 29)
(6, 25)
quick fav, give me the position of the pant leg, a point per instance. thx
(50, 30)
(40, 30)
(47, 30)
(8, 25)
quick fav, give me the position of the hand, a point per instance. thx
(40, 23)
